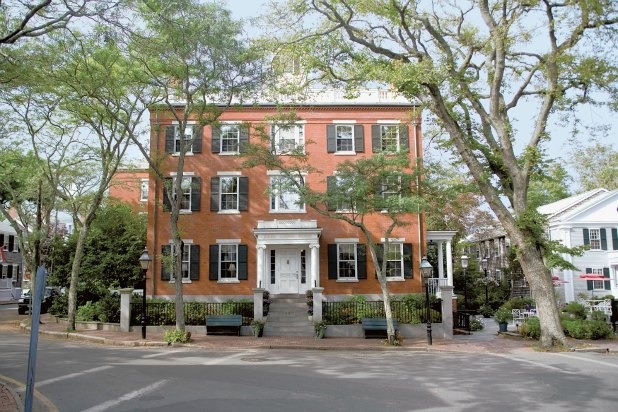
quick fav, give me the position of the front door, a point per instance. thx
(287, 265)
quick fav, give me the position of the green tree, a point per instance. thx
(472, 65)
(197, 62)
(596, 166)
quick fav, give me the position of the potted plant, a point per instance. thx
(257, 326)
(319, 328)
(503, 316)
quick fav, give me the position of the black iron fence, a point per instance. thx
(461, 320)
(164, 313)
(352, 312)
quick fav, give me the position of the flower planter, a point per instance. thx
(503, 327)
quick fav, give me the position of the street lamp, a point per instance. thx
(144, 262)
(464, 266)
(484, 263)
(426, 272)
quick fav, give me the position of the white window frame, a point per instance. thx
(188, 136)
(186, 258)
(276, 194)
(232, 265)
(186, 196)
(222, 133)
(387, 129)
(143, 190)
(595, 239)
(353, 261)
(296, 135)
(344, 208)
(339, 140)
(595, 283)
(399, 245)
(222, 179)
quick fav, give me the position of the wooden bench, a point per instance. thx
(376, 327)
(223, 324)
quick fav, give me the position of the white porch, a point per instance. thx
(442, 241)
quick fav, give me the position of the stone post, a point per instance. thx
(125, 309)
(447, 311)
(258, 304)
(317, 304)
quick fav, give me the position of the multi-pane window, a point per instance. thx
(391, 186)
(345, 138)
(230, 138)
(186, 138)
(597, 284)
(228, 261)
(185, 193)
(389, 137)
(228, 193)
(288, 138)
(346, 260)
(284, 196)
(345, 189)
(595, 239)
(394, 260)
(143, 190)
(185, 265)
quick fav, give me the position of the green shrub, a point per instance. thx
(87, 312)
(108, 309)
(598, 315)
(576, 328)
(599, 330)
(176, 336)
(414, 301)
(575, 310)
(531, 328)
(476, 325)
(60, 306)
(518, 303)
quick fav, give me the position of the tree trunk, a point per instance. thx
(77, 261)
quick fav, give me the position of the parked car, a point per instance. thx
(23, 305)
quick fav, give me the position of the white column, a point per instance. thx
(317, 304)
(258, 303)
(449, 263)
(440, 259)
(315, 265)
(260, 266)
(447, 311)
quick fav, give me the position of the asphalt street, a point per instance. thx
(83, 377)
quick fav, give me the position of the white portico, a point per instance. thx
(288, 255)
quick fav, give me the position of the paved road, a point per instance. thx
(94, 378)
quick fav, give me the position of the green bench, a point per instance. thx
(223, 324)
(376, 327)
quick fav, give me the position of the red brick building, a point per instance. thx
(241, 230)
(131, 187)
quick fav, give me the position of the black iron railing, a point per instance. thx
(352, 312)
(164, 313)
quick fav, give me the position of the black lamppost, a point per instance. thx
(426, 272)
(144, 262)
(464, 266)
(484, 267)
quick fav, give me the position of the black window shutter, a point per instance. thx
(166, 251)
(407, 261)
(586, 237)
(404, 139)
(243, 139)
(331, 138)
(359, 138)
(194, 264)
(243, 193)
(196, 193)
(331, 187)
(615, 239)
(216, 139)
(11, 243)
(242, 263)
(197, 139)
(214, 194)
(361, 261)
(376, 138)
(589, 283)
(9, 271)
(213, 262)
(1, 241)
(170, 132)
(606, 284)
(332, 261)
(379, 256)
(603, 239)
(167, 193)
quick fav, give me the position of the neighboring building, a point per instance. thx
(591, 219)
(10, 262)
(131, 187)
(243, 229)
(495, 248)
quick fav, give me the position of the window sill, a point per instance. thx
(183, 281)
(178, 154)
(287, 211)
(228, 212)
(185, 212)
(347, 280)
(395, 279)
(229, 153)
(345, 153)
(228, 281)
